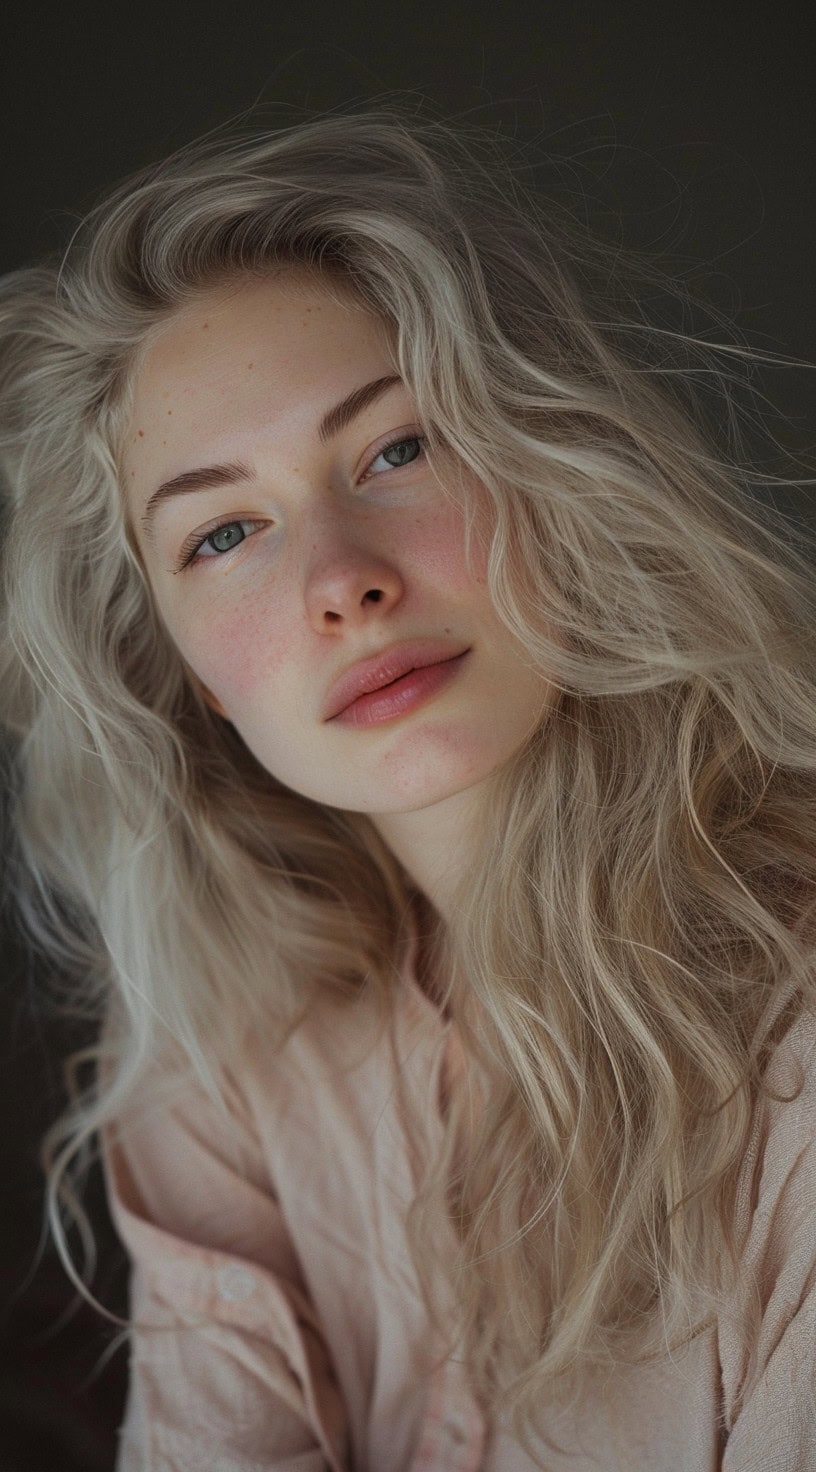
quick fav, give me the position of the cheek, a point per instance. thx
(440, 549)
(232, 653)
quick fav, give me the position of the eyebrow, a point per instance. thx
(210, 476)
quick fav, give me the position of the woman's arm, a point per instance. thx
(235, 1373)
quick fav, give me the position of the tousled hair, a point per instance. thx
(634, 932)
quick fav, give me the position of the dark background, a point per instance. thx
(687, 130)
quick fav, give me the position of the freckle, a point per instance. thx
(141, 434)
(170, 411)
(250, 365)
(204, 327)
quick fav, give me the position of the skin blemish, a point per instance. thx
(169, 411)
(141, 434)
(250, 365)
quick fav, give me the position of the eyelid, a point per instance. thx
(188, 553)
(396, 437)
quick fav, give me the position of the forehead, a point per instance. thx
(242, 360)
(281, 317)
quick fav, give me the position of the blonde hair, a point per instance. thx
(635, 931)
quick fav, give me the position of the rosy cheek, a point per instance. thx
(233, 654)
(442, 551)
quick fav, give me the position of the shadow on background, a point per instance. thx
(55, 1414)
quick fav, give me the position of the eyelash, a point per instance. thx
(188, 554)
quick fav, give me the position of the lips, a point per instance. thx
(383, 668)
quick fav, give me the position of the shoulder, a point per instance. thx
(767, 1326)
(784, 1131)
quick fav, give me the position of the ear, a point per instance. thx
(209, 698)
(212, 702)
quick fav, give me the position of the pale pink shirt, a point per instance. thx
(285, 1239)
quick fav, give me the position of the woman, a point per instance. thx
(416, 728)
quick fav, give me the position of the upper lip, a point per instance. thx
(388, 665)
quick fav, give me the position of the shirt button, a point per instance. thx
(235, 1282)
(457, 1433)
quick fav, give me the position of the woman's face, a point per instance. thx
(330, 551)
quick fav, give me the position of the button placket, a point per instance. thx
(454, 1431)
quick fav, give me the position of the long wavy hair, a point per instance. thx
(634, 933)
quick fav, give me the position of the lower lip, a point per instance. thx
(413, 690)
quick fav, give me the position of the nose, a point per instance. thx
(347, 580)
